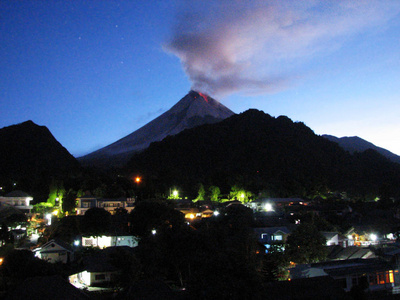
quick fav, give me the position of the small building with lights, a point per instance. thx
(55, 251)
(373, 274)
(87, 202)
(99, 269)
(272, 237)
(270, 204)
(105, 241)
(17, 199)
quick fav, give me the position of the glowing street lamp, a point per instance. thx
(268, 207)
(48, 217)
(175, 193)
(138, 179)
(373, 237)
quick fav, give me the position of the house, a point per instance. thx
(332, 238)
(191, 213)
(110, 241)
(95, 274)
(17, 199)
(267, 204)
(378, 274)
(110, 205)
(55, 251)
(272, 236)
(98, 269)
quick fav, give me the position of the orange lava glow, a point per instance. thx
(204, 97)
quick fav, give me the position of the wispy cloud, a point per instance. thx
(259, 46)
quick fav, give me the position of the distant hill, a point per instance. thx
(192, 110)
(29, 153)
(357, 144)
(262, 153)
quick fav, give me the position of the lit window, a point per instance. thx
(389, 276)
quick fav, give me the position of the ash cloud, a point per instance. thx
(257, 47)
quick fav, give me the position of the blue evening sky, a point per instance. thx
(95, 71)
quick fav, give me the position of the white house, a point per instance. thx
(98, 269)
(110, 241)
(110, 205)
(55, 251)
(92, 277)
(17, 199)
(332, 238)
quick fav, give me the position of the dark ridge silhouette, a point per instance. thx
(261, 152)
(30, 154)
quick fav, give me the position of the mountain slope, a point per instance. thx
(260, 153)
(30, 153)
(357, 144)
(192, 110)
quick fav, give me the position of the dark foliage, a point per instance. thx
(21, 264)
(96, 221)
(215, 260)
(306, 244)
(149, 215)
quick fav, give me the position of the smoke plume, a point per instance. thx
(258, 46)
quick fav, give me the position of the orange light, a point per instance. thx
(138, 179)
(204, 97)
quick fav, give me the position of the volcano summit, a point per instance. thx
(192, 110)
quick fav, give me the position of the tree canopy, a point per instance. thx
(306, 244)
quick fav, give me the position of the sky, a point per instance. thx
(94, 71)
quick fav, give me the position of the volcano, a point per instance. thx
(192, 110)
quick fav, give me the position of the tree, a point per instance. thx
(96, 221)
(201, 193)
(57, 192)
(69, 201)
(21, 264)
(215, 192)
(16, 219)
(149, 215)
(128, 264)
(42, 208)
(240, 194)
(306, 244)
(4, 234)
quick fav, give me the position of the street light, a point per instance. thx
(138, 179)
(268, 207)
(48, 217)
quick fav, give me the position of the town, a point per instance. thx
(235, 246)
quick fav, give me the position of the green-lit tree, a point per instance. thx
(201, 193)
(215, 193)
(240, 194)
(57, 192)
